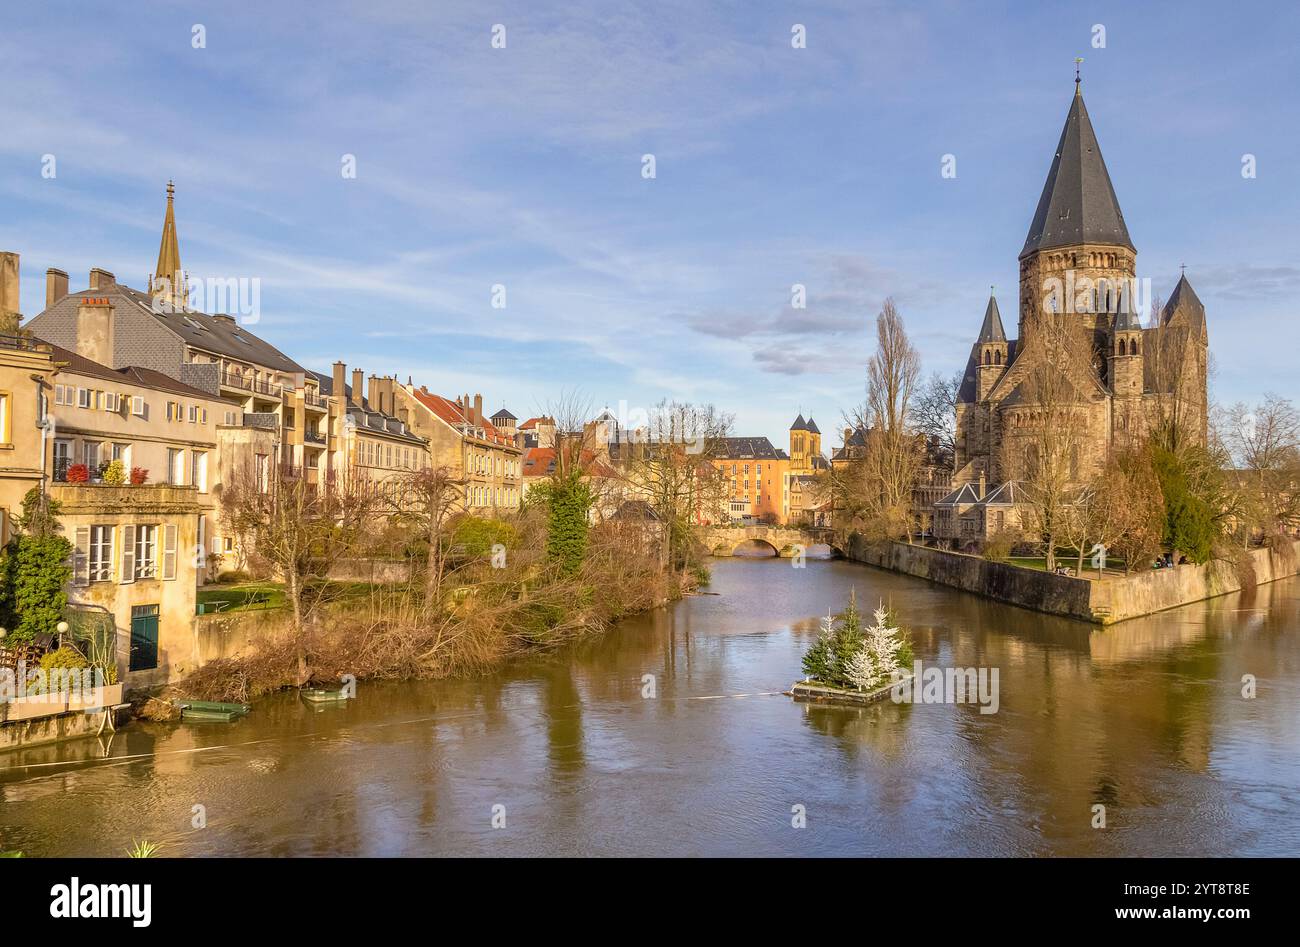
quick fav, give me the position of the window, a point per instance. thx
(83, 397)
(194, 414)
(146, 552)
(175, 466)
(101, 553)
(90, 456)
(199, 470)
(62, 459)
(137, 406)
(112, 401)
(230, 419)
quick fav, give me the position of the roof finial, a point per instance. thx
(991, 289)
(1077, 61)
(1182, 267)
(171, 189)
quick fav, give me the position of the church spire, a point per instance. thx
(168, 278)
(992, 330)
(1078, 204)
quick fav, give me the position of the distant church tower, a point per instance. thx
(805, 444)
(169, 282)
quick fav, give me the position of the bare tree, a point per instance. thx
(934, 413)
(875, 492)
(1053, 416)
(426, 501)
(1263, 445)
(668, 467)
(300, 528)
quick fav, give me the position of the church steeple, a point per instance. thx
(168, 278)
(1078, 203)
(991, 330)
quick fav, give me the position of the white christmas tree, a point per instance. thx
(861, 670)
(883, 642)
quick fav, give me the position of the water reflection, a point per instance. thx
(1146, 718)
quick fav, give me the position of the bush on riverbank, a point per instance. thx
(487, 611)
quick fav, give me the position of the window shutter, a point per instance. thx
(81, 557)
(169, 551)
(128, 554)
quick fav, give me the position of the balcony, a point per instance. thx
(22, 343)
(313, 437)
(247, 383)
(313, 401)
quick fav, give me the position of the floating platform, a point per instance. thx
(809, 691)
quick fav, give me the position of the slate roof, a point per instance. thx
(1184, 304)
(799, 423)
(1078, 203)
(364, 416)
(132, 375)
(747, 448)
(991, 330)
(198, 329)
(812, 426)
(504, 415)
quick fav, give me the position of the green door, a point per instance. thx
(144, 637)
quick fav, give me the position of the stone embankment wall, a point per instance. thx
(1115, 599)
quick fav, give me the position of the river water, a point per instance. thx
(568, 757)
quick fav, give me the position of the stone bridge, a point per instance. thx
(785, 540)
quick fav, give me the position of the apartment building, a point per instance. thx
(376, 442)
(217, 353)
(756, 470)
(464, 441)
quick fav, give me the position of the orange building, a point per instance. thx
(757, 472)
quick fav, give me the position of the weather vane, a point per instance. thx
(1078, 60)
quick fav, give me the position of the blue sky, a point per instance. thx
(522, 166)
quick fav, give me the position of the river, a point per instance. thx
(568, 757)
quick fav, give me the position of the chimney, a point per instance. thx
(981, 484)
(358, 378)
(478, 409)
(9, 317)
(102, 279)
(225, 317)
(56, 286)
(340, 383)
(405, 415)
(388, 386)
(95, 329)
(374, 394)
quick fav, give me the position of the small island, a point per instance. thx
(852, 665)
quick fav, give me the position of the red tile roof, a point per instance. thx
(540, 462)
(452, 413)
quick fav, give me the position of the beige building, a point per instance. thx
(462, 440)
(376, 442)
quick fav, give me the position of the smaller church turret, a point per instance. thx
(990, 351)
(1124, 360)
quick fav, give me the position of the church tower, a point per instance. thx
(990, 351)
(1078, 256)
(169, 283)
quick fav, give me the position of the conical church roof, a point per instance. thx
(992, 330)
(1078, 204)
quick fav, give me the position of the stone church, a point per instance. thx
(1078, 332)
